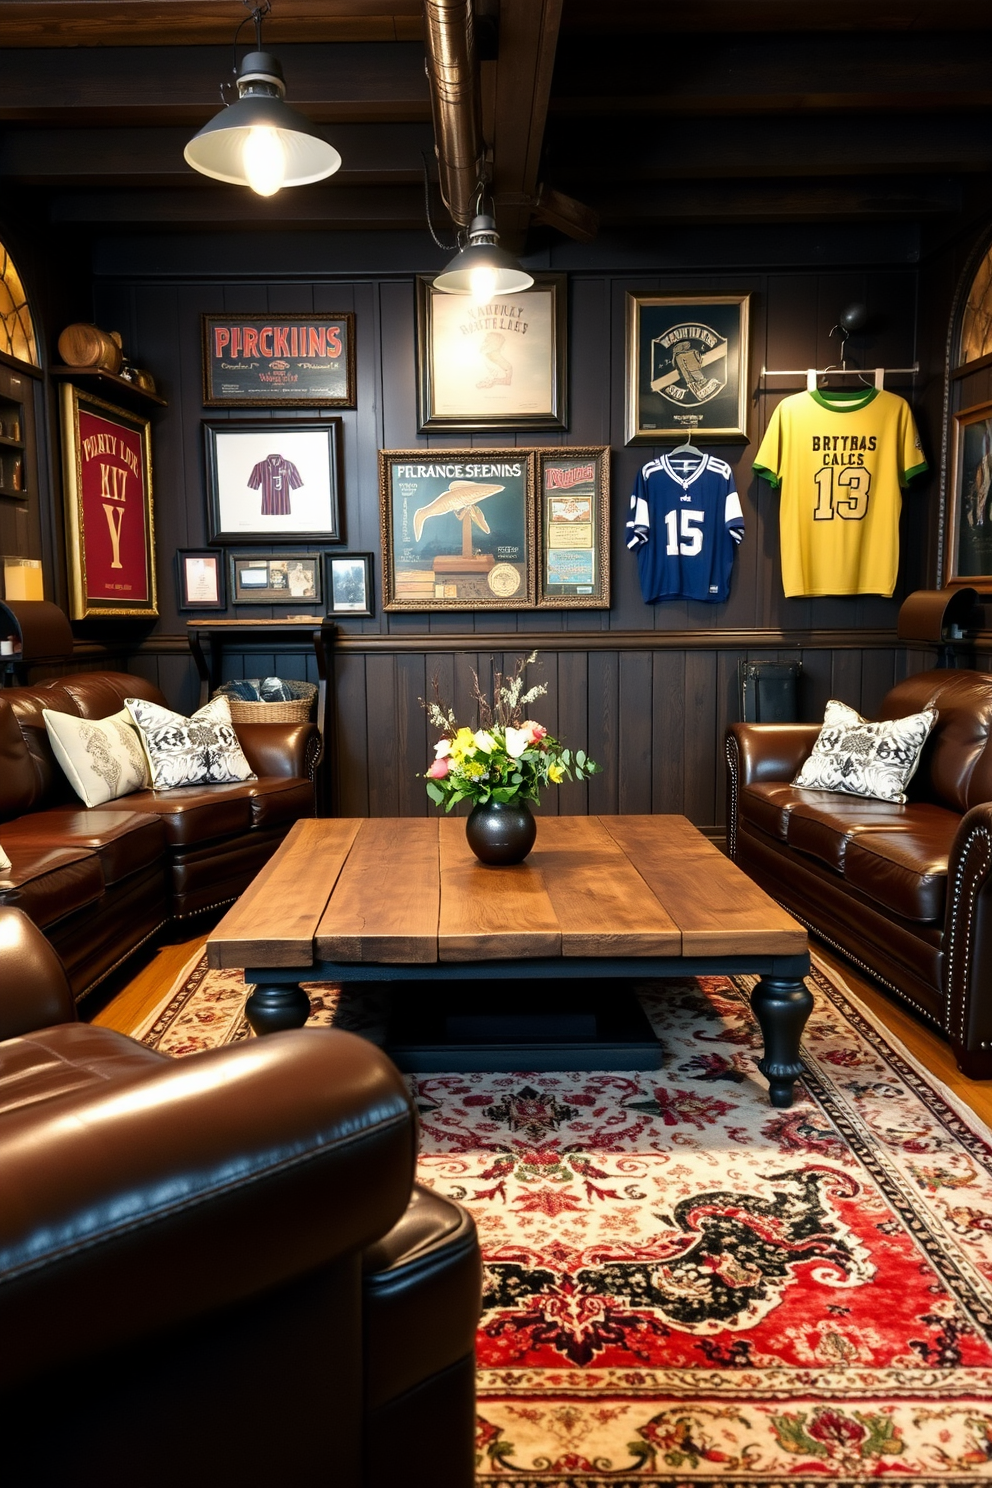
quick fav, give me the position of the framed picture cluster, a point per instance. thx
(495, 529)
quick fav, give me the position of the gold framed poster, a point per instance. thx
(573, 520)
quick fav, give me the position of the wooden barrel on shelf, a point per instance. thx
(84, 345)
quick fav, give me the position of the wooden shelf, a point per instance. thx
(13, 444)
(108, 380)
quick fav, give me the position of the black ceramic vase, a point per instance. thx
(500, 835)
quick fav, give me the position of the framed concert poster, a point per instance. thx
(968, 521)
(349, 584)
(500, 365)
(687, 361)
(573, 521)
(457, 529)
(109, 521)
(201, 579)
(293, 361)
(269, 481)
(275, 578)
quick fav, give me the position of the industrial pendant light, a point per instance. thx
(481, 268)
(260, 141)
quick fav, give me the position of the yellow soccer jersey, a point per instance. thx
(840, 457)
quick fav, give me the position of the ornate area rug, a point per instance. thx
(687, 1286)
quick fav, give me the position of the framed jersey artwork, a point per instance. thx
(457, 529)
(271, 481)
(968, 518)
(498, 365)
(573, 522)
(687, 366)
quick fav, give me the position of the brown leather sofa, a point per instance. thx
(100, 881)
(904, 891)
(217, 1270)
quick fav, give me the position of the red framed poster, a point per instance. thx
(110, 533)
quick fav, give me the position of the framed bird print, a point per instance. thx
(687, 366)
(457, 529)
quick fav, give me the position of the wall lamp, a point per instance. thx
(260, 141)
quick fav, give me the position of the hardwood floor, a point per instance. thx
(132, 1004)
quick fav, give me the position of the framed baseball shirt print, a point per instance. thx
(268, 481)
(687, 359)
(110, 533)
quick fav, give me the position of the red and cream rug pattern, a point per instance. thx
(684, 1285)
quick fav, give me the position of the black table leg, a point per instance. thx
(283, 1005)
(781, 1006)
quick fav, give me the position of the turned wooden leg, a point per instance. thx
(281, 1005)
(781, 1006)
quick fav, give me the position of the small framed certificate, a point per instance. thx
(573, 488)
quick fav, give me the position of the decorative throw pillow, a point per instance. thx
(866, 759)
(202, 750)
(4, 861)
(102, 758)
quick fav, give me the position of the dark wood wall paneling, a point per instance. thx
(653, 717)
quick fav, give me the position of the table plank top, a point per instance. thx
(409, 890)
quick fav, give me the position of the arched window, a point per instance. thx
(976, 321)
(17, 337)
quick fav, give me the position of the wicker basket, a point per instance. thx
(296, 710)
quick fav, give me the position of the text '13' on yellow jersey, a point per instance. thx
(840, 457)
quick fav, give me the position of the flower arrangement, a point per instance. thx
(508, 758)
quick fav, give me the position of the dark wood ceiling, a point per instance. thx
(647, 111)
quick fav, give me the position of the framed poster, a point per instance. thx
(573, 518)
(968, 529)
(495, 366)
(269, 481)
(110, 532)
(457, 529)
(276, 578)
(296, 361)
(687, 366)
(201, 580)
(349, 584)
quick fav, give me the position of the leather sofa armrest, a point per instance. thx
(139, 1202)
(281, 748)
(35, 990)
(968, 942)
(762, 751)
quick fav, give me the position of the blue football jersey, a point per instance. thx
(685, 524)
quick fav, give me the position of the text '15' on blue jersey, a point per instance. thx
(685, 524)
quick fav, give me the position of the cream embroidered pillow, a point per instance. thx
(4, 861)
(202, 750)
(102, 758)
(866, 759)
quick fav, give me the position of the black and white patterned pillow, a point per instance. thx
(866, 759)
(202, 750)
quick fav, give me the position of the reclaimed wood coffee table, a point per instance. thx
(404, 901)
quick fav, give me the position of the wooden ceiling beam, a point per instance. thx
(103, 23)
(779, 201)
(181, 85)
(528, 35)
(711, 17)
(352, 208)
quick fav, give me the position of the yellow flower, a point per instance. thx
(462, 744)
(556, 773)
(473, 769)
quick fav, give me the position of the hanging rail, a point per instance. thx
(812, 373)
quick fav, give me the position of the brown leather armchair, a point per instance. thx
(218, 1270)
(905, 891)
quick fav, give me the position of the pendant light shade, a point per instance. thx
(260, 141)
(482, 268)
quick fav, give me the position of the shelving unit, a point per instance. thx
(15, 468)
(109, 385)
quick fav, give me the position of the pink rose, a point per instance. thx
(438, 769)
(535, 731)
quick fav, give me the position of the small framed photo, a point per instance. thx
(968, 520)
(495, 366)
(292, 361)
(457, 529)
(201, 580)
(687, 361)
(110, 529)
(349, 584)
(276, 579)
(268, 481)
(573, 505)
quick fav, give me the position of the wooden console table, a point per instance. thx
(216, 634)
